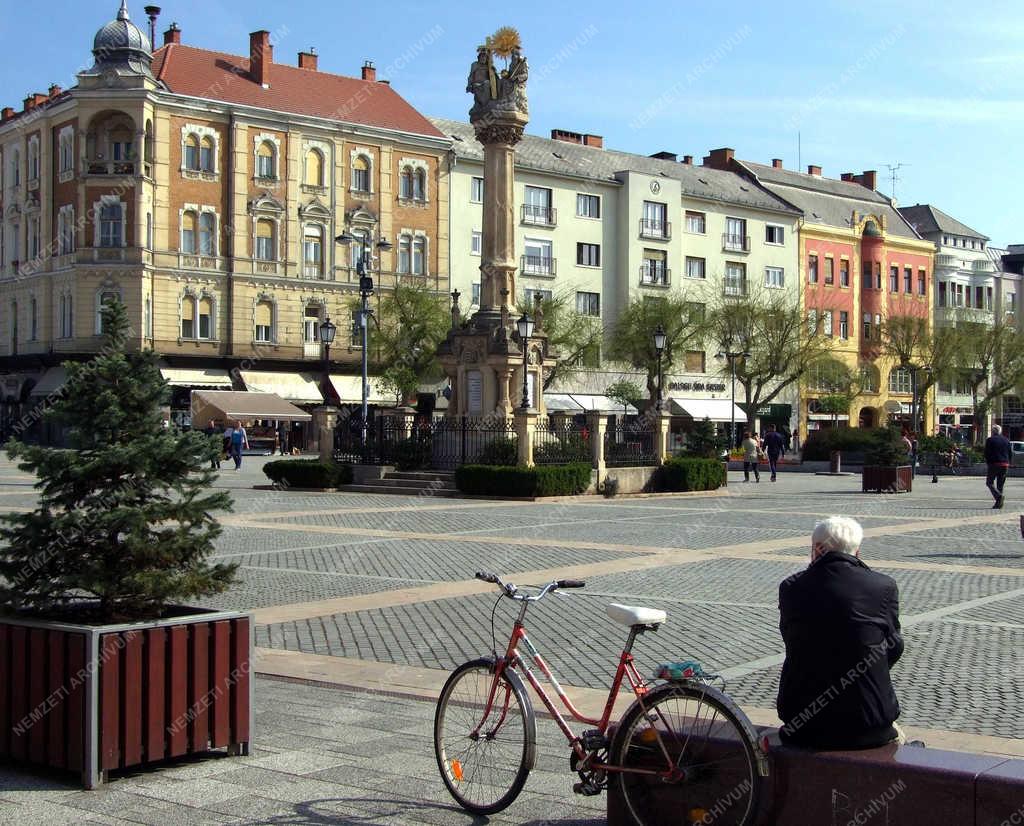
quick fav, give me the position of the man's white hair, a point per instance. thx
(838, 533)
(996, 430)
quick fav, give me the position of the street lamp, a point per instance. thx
(327, 333)
(659, 348)
(363, 263)
(525, 327)
(731, 356)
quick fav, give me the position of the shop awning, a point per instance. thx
(52, 381)
(214, 377)
(234, 404)
(350, 390)
(300, 388)
(558, 402)
(602, 404)
(717, 410)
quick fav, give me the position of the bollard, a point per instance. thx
(834, 462)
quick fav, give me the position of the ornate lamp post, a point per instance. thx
(327, 333)
(659, 347)
(525, 327)
(731, 356)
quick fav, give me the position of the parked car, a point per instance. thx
(1017, 459)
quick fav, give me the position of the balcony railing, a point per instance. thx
(111, 167)
(312, 271)
(734, 287)
(537, 215)
(537, 265)
(946, 261)
(312, 350)
(655, 275)
(736, 243)
(983, 266)
(653, 228)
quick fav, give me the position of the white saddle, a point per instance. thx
(635, 615)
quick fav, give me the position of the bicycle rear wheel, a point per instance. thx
(484, 756)
(715, 776)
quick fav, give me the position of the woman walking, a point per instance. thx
(751, 455)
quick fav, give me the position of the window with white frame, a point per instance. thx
(775, 277)
(33, 158)
(537, 206)
(66, 149)
(266, 240)
(474, 292)
(476, 242)
(361, 173)
(405, 183)
(405, 253)
(199, 149)
(313, 251)
(207, 154)
(588, 206)
(588, 304)
(537, 258)
(826, 322)
(361, 243)
(476, 190)
(900, 380)
(696, 267)
(735, 278)
(419, 255)
(696, 222)
(588, 255)
(311, 324)
(103, 298)
(812, 322)
(207, 234)
(774, 234)
(654, 268)
(188, 316)
(205, 317)
(266, 160)
(531, 296)
(844, 324)
(314, 168)
(263, 322)
(189, 232)
(111, 224)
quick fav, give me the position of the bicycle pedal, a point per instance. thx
(593, 740)
(586, 789)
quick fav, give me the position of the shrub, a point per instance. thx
(308, 473)
(563, 449)
(886, 449)
(934, 444)
(681, 474)
(703, 442)
(821, 443)
(412, 453)
(501, 451)
(544, 480)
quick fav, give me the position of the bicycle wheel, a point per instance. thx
(715, 776)
(484, 756)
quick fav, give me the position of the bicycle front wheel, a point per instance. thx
(485, 746)
(700, 754)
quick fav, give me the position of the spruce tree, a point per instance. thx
(125, 520)
(703, 441)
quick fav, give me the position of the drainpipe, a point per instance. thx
(229, 283)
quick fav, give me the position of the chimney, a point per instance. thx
(566, 136)
(152, 12)
(868, 179)
(776, 163)
(593, 140)
(719, 158)
(813, 170)
(54, 90)
(172, 35)
(29, 103)
(847, 176)
(368, 72)
(688, 160)
(308, 59)
(261, 56)
(6, 114)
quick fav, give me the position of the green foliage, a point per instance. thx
(501, 451)
(565, 449)
(544, 480)
(125, 520)
(703, 442)
(575, 337)
(934, 444)
(400, 381)
(413, 453)
(820, 443)
(886, 449)
(308, 473)
(625, 392)
(681, 474)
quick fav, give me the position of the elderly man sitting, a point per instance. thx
(840, 622)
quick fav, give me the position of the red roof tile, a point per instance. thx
(200, 73)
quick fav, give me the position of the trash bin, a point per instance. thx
(834, 462)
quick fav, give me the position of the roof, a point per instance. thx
(828, 201)
(601, 165)
(928, 219)
(235, 404)
(186, 70)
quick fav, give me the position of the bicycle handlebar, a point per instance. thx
(570, 583)
(512, 591)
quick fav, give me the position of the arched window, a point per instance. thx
(266, 249)
(206, 317)
(361, 174)
(900, 380)
(33, 158)
(206, 150)
(405, 189)
(265, 161)
(188, 316)
(192, 153)
(869, 378)
(404, 253)
(207, 234)
(264, 322)
(188, 233)
(314, 168)
(361, 243)
(111, 225)
(121, 145)
(313, 251)
(419, 188)
(419, 255)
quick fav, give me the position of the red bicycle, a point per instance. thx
(683, 753)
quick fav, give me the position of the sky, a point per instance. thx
(933, 86)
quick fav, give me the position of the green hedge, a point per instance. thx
(820, 444)
(499, 452)
(683, 473)
(413, 453)
(543, 480)
(308, 473)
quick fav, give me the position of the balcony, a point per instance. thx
(537, 215)
(540, 265)
(655, 274)
(946, 261)
(655, 229)
(983, 266)
(110, 168)
(312, 270)
(312, 350)
(735, 243)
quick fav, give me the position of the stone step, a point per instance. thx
(400, 491)
(418, 475)
(432, 484)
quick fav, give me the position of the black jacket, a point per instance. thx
(774, 444)
(998, 450)
(840, 623)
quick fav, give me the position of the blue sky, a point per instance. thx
(933, 84)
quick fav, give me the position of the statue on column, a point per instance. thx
(503, 92)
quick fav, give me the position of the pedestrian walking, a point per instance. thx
(282, 435)
(997, 456)
(239, 440)
(751, 452)
(214, 432)
(774, 446)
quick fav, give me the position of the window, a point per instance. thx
(812, 322)
(538, 258)
(188, 233)
(736, 234)
(362, 242)
(266, 249)
(476, 242)
(694, 361)
(988, 299)
(314, 168)
(15, 168)
(826, 322)
(405, 253)
(696, 267)
(867, 326)
(205, 318)
(33, 320)
(922, 285)
(532, 296)
(537, 206)
(844, 272)
(588, 304)
(894, 279)
(878, 275)
(67, 149)
(812, 269)
(830, 270)
(311, 324)
(147, 317)
(696, 222)
(908, 280)
(774, 277)
(207, 234)
(654, 270)
(405, 183)
(263, 319)
(111, 225)
(149, 230)
(419, 185)
(419, 255)
(774, 234)
(67, 317)
(735, 278)
(361, 174)
(979, 297)
(900, 380)
(104, 298)
(867, 280)
(654, 223)
(1011, 302)
(33, 158)
(188, 315)
(476, 190)
(313, 251)
(957, 295)
(265, 161)
(588, 255)
(475, 293)
(844, 324)
(15, 243)
(588, 206)
(66, 230)
(206, 154)
(33, 237)
(192, 153)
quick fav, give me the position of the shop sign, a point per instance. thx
(775, 411)
(686, 387)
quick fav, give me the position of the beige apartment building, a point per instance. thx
(205, 190)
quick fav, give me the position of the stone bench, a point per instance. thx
(890, 786)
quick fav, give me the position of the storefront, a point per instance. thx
(265, 416)
(687, 411)
(778, 415)
(299, 389)
(956, 422)
(183, 381)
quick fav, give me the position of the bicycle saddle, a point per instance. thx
(635, 615)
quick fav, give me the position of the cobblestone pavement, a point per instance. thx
(388, 579)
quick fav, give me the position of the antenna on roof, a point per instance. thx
(894, 174)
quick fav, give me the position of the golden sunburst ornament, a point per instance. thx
(504, 41)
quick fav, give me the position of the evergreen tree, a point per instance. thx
(703, 442)
(125, 516)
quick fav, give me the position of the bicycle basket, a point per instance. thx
(685, 670)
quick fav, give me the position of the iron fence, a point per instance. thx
(629, 445)
(560, 444)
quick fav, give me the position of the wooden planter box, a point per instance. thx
(91, 699)
(886, 479)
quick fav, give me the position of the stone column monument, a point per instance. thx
(482, 355)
